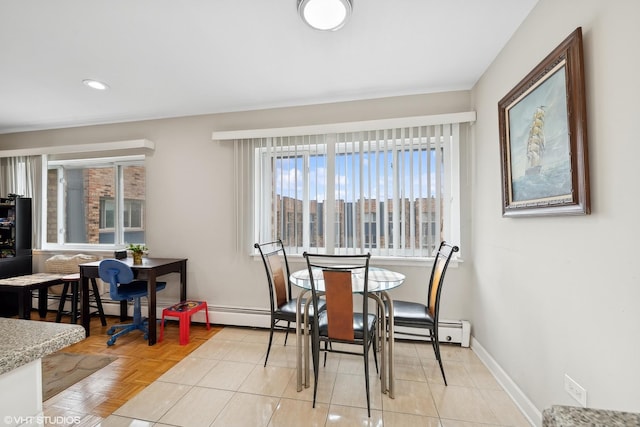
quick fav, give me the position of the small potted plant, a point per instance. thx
(137, 250)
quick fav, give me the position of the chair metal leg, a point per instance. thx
(366, 375)
(435, 343)
(375, 354)
(286, 335)
(273, 324)
(315, 350)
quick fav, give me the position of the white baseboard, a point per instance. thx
(533, 415)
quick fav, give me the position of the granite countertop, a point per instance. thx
(23, 341)
(565, 416)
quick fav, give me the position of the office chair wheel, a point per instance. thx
(111, 341)
(111, 331)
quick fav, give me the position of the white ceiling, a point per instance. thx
(169, 58)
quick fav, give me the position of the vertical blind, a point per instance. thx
(384, 191)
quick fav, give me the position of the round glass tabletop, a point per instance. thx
(380, 279)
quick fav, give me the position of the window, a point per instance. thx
(391, 192)
(95, 201)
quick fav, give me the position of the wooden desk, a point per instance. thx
(22, 286)
(149, 270)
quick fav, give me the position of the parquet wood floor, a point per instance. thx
(137, 366)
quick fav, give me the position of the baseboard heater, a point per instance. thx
(449, 331)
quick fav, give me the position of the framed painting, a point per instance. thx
(543, 137)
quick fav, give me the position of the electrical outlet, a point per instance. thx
(575, 390)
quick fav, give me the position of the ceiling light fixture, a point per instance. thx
(95, 84)
(325, 15)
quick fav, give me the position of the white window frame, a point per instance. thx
(451, 195)
(118, 163)
(248, 177)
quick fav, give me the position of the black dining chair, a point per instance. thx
(425, 316)
(282, 304)
(339, 323)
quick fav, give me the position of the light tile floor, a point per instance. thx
(224, 383)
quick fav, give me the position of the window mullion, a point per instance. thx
(119, 198)
(306, 203)
(61, 205)
(330, 201)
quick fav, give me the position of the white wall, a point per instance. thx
(190, 210)
(561, 295)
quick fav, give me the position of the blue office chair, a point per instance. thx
(122, 287)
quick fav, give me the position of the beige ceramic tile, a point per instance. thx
(455, 371)
(247, 410)
(188, 371)
(295, 413)
(282, 356)
(153, 402)
(457, 423)
(226, 375)
(409, 372)
(349, 416)
(504, 408)
(199, 407)
(231, 334)
(268, 381)
(395, 419)
(465, 354)
(406, 360)
(405, 349)
(261, 336)
(326, 382)
(451, 352)
(117, 421)
(481, 376)
(214, 349)
(425, 350)
(462, 403)
(350, 390)
(247, 352)
(411, 397)
(353, 364)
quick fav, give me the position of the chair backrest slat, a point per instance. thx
(440, 264)
(274, 258)
(278, 277)
(339, 297)
(338, 273)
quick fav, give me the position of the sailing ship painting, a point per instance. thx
(535, 143)
(539, 144)
(543, 137)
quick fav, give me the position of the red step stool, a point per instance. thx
(183, 311)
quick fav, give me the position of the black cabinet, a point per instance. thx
(15, 246)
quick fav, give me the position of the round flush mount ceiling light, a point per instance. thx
(325, 15)
(95, 84)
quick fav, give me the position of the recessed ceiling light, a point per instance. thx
(95, 84)
(325, 15)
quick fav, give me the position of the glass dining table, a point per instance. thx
(380, 282)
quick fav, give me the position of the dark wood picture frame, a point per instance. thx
(543, 137)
